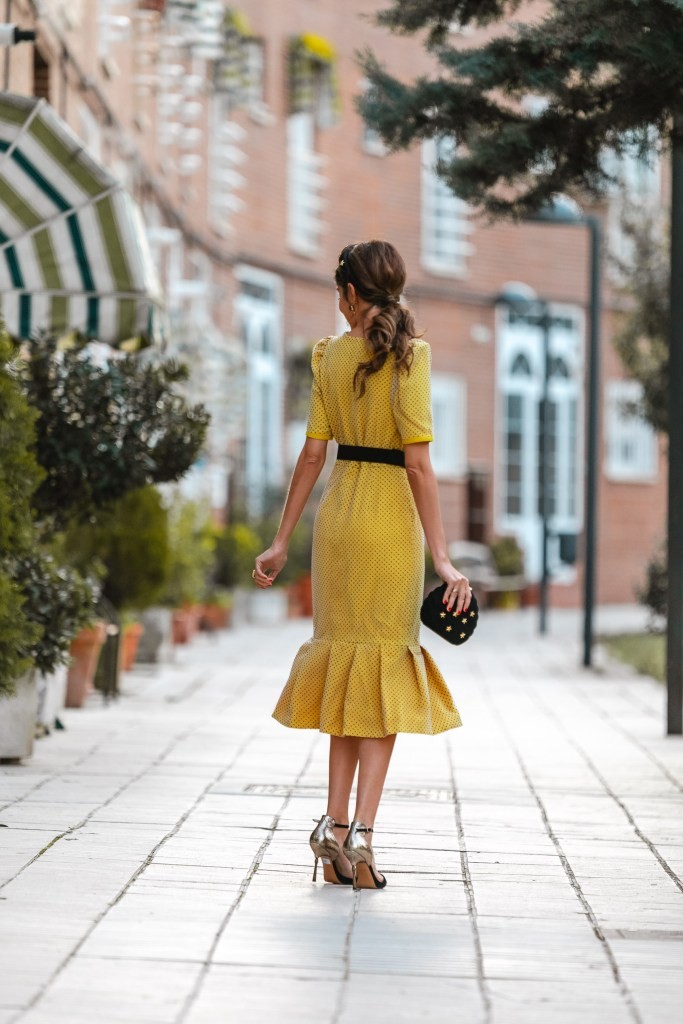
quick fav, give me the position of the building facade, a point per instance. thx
(235, 129)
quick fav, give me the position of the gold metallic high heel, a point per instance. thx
(359, 852)
(326, 848)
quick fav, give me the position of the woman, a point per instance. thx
(363, 676)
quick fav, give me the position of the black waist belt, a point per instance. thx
(361, 453)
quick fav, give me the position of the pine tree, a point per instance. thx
(608, 72)
(601, 74)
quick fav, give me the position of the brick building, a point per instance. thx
(235, 128)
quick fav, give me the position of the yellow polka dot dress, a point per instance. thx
(364, 673)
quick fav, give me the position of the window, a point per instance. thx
(305, 185)
(225, 159)
(445, 224)
(312, 84)
(371, 140)
(449, 414)
(239, 72)
(638, 173)
(258, 309)
(631, 442)
(90, 131)
(41, 76)
(520, 360)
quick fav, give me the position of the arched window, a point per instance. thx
(558, 368)
(521, 387)
(521, 367)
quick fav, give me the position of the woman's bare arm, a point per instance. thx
(306, 472)
(426, 493)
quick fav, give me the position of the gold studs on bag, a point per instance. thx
(442, 614)
(463, 635)
(448, 629)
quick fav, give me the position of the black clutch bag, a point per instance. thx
(454, 628)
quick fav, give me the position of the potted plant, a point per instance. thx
(131, 544)
(106, 428)
(508, 558)
(56, 602)
(216, 609)
(85, 652)
(132, 631)
(19, 477)
(237, 547)
(192, 541)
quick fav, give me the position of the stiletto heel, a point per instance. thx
(325, 847)
(359, 852)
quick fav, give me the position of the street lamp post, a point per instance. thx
(544, 475)
(565, 211)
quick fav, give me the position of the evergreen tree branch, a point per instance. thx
(409, 16)
(607, 72)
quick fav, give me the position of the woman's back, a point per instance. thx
(395, 409)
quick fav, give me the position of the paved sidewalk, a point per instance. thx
(155, 866)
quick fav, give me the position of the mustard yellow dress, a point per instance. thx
(364, 673)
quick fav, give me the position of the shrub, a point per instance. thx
(58, 601)
(131, 543)
(19, 477)
(655, 592)
(105, 430)
(192, 544)
(508, 556)
(237, 547)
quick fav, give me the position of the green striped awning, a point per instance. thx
(74, 255)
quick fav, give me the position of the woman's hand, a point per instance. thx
(458, 589)
(269, 564)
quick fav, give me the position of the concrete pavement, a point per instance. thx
(154, 867)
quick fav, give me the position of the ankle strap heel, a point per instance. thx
(359, 852)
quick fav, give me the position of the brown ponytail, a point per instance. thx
(378, 273)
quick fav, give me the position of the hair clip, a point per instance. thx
(341, 263)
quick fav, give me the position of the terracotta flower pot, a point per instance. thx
(85, 650)
(306, 595)
(129, 644)
(214, 616)
(182, 626)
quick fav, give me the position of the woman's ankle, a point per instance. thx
(367, 820)
(341, 820)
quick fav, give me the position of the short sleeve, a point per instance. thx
(412, 404)
(318, 425)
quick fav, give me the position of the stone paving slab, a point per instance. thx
(155, 866)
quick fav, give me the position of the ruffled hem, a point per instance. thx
(365, 689)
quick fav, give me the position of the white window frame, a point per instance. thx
(441, 207)
(566, 342)
(265, 374)
(225, 157)
(639, 186)
(305, 186)
(371, 140)
(90, 130)
(626, 430)
(449, 417)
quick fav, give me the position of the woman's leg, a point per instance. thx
(343, 764)
(374, 758)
